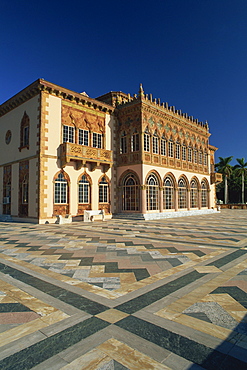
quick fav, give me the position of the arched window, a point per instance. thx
(103, 190)
(123, 143)
(182, 194)
(193, 194)
(204, 194)
(168, 194)
(163, 145)
(61, 190)
(178, 146)
(155, 143)
(24, 134)
(24, 191)
(84, 190)
(146, 140)
(131, 193)
(152, 193)
(135, 141)
(170, 148)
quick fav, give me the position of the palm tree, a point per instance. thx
(241, 170)
(225, 168)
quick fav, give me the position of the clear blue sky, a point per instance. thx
(189, 53)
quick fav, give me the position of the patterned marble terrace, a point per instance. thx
(167, 294)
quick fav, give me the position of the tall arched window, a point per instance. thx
(204, 194)
(152, 193)
(61, 190)
(24, 134)
(205, 160)
(189, 154)
(195, 156)
(193, 194)
(182, 194)
(146, 140)
(131, 193)
(103, 190)
(155, 143)
(168, 194)
(83, 190)
(123, 143)
(135, 141)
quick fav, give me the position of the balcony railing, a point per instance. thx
(82, 154)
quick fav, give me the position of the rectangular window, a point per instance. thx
(177, 151)
(26, 136)
(83, 193)
(155, 145)
(205, 159)
(189, 154)
(103, 193)
(97, 140)
(184, 153)
(195, 156)
(146, 142)
(83, 137)
(68, 134)
(135, 142)
(170, 149)
(200, 157)
(163, 147)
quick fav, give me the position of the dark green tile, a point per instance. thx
(41, 351)
(13, 307)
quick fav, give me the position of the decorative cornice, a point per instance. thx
(41, 85)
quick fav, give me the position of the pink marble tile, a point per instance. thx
(17, 317)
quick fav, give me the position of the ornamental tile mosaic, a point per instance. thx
(167, 294)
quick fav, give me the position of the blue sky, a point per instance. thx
(189, 53)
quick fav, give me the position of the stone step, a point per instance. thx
(5, 218)
(128, 216)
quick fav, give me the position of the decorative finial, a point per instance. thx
(141, 91)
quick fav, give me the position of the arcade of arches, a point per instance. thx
(167, 194)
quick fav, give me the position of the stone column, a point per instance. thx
(199, 199)
(176, 199)
(161, 198)
(188, 199)
(143, 199)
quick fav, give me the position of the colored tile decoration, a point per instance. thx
(158, 295)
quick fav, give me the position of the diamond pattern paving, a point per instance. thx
(167, 294)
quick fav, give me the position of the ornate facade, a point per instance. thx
(63, 153)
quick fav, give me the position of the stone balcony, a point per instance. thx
(84, 154)
(215, 177)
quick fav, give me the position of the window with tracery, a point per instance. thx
(152, 193)
(193, 194)
(131, 193)
(182, 194)
(103, 190)
(60, 189)
(84, 190)
(168, 193)
(204, 194)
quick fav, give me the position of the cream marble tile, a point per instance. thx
(54, 317)
(92, 360)
(112, 315)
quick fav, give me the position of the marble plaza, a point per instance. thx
(121, 294)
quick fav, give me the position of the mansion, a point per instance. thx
(64, 153)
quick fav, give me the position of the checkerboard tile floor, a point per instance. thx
(167, 294)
